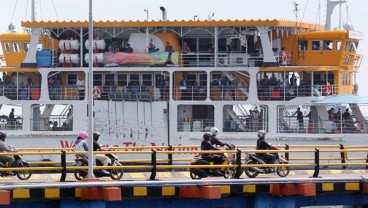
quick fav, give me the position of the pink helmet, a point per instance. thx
(83, 135)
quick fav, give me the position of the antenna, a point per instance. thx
(296, 10)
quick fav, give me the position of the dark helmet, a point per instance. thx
(207, 136)
(96, 136)
(2, 136)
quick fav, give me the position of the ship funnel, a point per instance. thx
(163, 13)
(210, 16)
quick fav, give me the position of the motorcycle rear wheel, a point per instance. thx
(24, 174)
(80, 174)
(117, 174)
(229, 173)
(249, 171)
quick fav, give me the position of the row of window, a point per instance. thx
(16, 47)
(327, 45)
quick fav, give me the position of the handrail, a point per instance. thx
(154, 163)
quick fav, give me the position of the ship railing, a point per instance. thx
(194, 125)
(51, 123)
(20, 92)
(236, 124)
(229, 93)
(279, 92)
(164, 158)
(319, 126)
(7, 123)
(223, 59)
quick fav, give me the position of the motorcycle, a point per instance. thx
(18, 163)
(227, 158)
(115, 174)
(252, 172)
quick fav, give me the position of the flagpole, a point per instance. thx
(89, 90)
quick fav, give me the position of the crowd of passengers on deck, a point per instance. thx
(289, 88)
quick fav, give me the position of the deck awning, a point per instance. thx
(341, 99)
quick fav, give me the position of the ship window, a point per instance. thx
(122, 79)
(316, 45)
(147, 79)
(188, 87)
(327, 45)
(229, 86)
(97, 79)
(11, 123)
(26, 47)
(351, 46)
(109, 79)
(7, 47)
(338, 45)
(195, 118)
(345, 79)
(244, 118)
(16, 47)
(303, 45)
(59, 119)
(134, 79)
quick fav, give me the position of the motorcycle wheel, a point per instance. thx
(2, 173)
(249, 171)
(283, 171)
(24, 174)
(193, 174)
(117, 174)
(80, 174)
(230, 172)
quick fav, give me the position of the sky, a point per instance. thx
(309, 11)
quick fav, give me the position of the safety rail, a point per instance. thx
(155, 163)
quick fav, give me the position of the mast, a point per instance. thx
(33, 11)
(330, 7)
(89, 95)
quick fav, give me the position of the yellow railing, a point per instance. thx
(344, 160)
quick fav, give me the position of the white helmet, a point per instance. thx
(214, 131)
(262, 133)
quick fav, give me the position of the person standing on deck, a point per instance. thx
(299, 117)
(80, 85)
(255, 119)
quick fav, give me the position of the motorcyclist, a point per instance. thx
(100, 157)
(206, 145)
(5, 148)
(214, 140)
(263, 145)
(81, 144)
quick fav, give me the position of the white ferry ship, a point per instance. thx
(166, 82)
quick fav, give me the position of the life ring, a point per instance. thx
(355, 88)
(97, 91)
